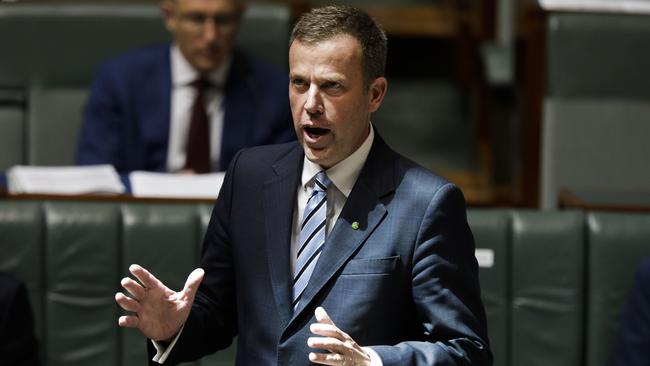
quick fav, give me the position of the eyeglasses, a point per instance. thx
(196, 22)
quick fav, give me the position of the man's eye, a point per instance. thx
(298, 83)
(195, 18)
(332, 85)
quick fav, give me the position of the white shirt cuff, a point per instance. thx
(375, 360)
(161, 352)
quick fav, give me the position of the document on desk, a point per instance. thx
(91, 179)
(606, 6)
(165, 185)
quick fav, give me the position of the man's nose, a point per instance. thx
(210, 30)
(314, 103)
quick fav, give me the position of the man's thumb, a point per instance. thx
(193, 282)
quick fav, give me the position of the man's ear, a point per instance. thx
(167, 8)
(376, 93)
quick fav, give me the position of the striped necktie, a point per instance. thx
(312, 236)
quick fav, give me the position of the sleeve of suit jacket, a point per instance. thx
(211, 325)
(445, 291)
(100, 140)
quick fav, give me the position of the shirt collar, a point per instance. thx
(344, 174)
(183, 73)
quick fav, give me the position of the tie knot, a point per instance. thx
(201, 83)
(321, 182)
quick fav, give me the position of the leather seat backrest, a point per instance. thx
(596, 104)
(548, 257)
(491, 229)
(618, 242)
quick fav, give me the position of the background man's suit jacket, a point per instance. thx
(18, 345)
(127, 117)
(633, 346)
(405, 280)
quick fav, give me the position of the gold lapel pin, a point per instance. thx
(355, 225)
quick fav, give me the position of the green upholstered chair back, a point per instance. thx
(72, 256)
(491, 229)
(617, 244)
(63, 44)
(597, 104)
(428, 121)
(548, 257)
(12, 128)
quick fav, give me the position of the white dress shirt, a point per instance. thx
(182, 99)
(343, 176)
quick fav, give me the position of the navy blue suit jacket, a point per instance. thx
(405, 281)
(126, 120)
(633, 346)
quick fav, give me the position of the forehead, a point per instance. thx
(341, 53)
(206, 5)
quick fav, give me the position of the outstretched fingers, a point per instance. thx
(147, 280)
(135, 289)
(128, 321)
(127, 303)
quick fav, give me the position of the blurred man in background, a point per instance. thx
(188, 106)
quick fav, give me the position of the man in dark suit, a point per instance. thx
(140, 113)
(335, 250)
(633, 343)
(18, 345)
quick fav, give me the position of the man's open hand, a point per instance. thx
(343, 350)
(158, 312)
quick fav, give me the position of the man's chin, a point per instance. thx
(206, 65)
(319, 156)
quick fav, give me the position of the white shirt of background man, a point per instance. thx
(182, 99)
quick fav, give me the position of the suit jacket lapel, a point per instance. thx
(279, 203)
(364, 206)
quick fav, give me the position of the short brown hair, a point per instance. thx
(321, 24)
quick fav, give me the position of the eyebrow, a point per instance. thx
(326, 78)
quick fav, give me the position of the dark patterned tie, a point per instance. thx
(312, 236)
(198, 139)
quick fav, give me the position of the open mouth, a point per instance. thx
(315, 131)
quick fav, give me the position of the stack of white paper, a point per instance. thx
(619, 6)
(148, 184)
(95, 179)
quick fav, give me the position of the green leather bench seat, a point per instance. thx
(552, 289)
(547, 288)
(81, 267)
(72, 256)
(617, 244)
(491, 232)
